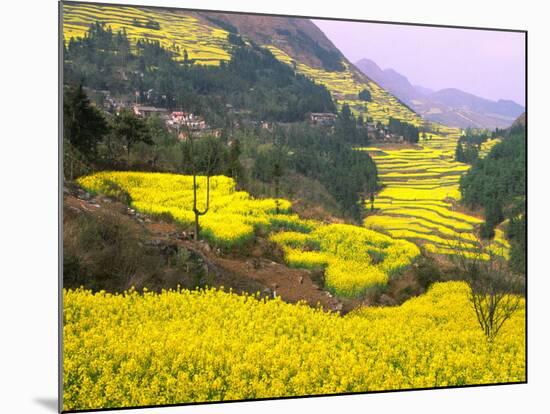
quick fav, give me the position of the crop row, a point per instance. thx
(421, 187)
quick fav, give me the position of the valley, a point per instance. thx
(248, 215)
(420, 200)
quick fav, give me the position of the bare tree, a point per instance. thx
(495, 291)
(196, 211)
(211, 161)
(277, 174)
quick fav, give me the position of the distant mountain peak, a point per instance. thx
(389, 79)
(366, 61)
(450, 106)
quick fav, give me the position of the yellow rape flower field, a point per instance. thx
(355, 258)
(233, 215)
(194, 346)
(421, 189)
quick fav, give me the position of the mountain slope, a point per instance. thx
(449, 106)
(519, 125)
(456, 98)
(389, 79)
(300, 43)
(297, 37)
(520, 122)
(205, 37)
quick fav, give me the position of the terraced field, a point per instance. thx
(354, 258)
(418, 202)
(345, 87)
(420, 183)
(174, 30)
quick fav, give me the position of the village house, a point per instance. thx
(267, 126)
(180, 119)
(147, 111)
(322, 118)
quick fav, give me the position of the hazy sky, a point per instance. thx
(486, 63)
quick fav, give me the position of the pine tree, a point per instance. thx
(130, 129)
(365, 95)
(235, 169)
(459, 153)
(83, 125)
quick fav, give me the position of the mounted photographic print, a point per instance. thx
(259, 206)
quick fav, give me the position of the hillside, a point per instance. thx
(269, 86)
(205, 38)
(249, 81)
(175, 30)
(299, 38)
(304, 46)
(451, 106)
(520, 122)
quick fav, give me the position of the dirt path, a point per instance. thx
(292, 285)
(250, 273)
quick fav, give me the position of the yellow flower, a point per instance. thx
(185, 346)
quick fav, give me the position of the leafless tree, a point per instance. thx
(212, 158)
(495, 291)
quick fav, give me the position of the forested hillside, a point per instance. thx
(253, 79)
(497, 184)
(254, 85)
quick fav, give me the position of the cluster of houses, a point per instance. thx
(174, 119)
(180, 122)
(183, 123)
(377, 131)
(322, 118)
(179, 119)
